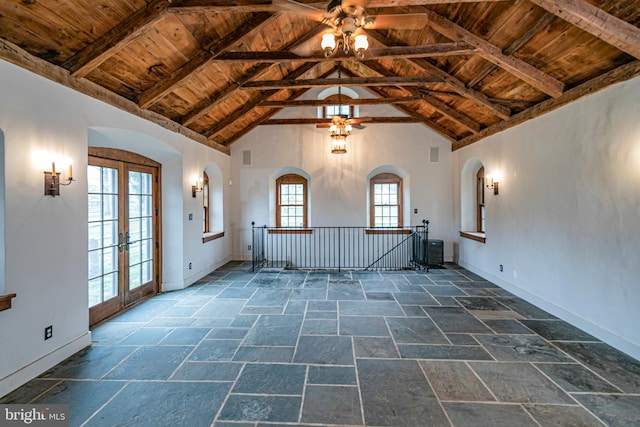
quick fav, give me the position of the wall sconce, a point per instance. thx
(197, 187)
(492, 183)
(52, 180)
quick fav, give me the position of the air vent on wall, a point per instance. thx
(246, 158)
(434, 154)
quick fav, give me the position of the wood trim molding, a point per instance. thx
(290, 231)
(388, 231)
(5, 301)
(478, 237)
(212, 236)
(122, 156)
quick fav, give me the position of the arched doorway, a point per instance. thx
(124, 218)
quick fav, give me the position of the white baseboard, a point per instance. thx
(195, 276)
(32, 370)
(604, 334)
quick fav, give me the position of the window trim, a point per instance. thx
(292, 178)
(385, 178)
(207, 237)
(474, 235)
(333, 100)
(5, 301)
(480, 200)
(206, 200)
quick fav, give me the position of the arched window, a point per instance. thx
(339, 106)
(385, 200)
(291, 201)
(212, 203)
(480, 215)
(472, 201)
(205, 203)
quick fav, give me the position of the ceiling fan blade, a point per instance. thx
(300, 9)
(412, 21)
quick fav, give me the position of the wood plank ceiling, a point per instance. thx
(215, 70)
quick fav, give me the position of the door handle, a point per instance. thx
(123, 241)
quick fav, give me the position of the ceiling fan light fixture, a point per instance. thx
(328, 43)
(360, 45)
(340, 129)
(339, 144)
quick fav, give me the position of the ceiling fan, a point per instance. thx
(348, 18)
(342, 124)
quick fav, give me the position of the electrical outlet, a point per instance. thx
(190, 217)
(48, 332)
(501, 267)
(190, 266)
(249, 247)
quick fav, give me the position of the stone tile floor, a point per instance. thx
(283, 348)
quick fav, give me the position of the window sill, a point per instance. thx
(207, 237)
(387, 231)
(5, 301)
(290, 231)
(474, 235)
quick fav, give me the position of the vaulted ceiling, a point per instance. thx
(215, 70)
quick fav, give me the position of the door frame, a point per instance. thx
(104, 311)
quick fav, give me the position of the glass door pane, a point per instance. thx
(140, 234)
(122, 220)
(103, 233)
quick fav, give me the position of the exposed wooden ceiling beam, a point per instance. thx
(513, 47)
(440, 106)
(519, 68)
(597, 22)
(243, 6)
(352, 81)
(202, 59)
(323, 102)
(620, 74)
(385, 101)
(94, 54)
(327, 122)
(455, 84)
(508, 102)
(224, 6)
(244, 109)
(206, 105)
(255, 123)
(424, 51)
(411, 113)
(16, 55)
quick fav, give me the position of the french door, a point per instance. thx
(123, 235)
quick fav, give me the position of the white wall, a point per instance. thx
(566, 224)
(46, 237)
(338, 182)
(2, 284)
